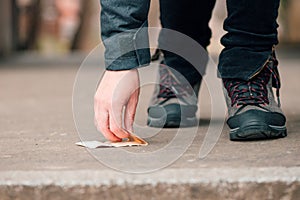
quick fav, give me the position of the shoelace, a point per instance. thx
(254, 91)
(170, 86)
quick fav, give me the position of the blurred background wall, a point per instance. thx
(62, 26)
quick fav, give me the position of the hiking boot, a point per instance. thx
(253, 113)
(174, 102)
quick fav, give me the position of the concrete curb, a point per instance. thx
(217, 183)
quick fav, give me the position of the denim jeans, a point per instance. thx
(191, 18)
(251, 33)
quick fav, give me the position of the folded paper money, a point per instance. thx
(132, 140)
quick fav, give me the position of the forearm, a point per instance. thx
(123, 31)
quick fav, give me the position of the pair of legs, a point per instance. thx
(247, 66)
(251, 26)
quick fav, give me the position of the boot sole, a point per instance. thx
(172, 116)
(172, 121)
(257, 131)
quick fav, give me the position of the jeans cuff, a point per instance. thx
(241, 63)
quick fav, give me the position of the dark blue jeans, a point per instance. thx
(251, 33)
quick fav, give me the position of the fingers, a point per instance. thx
(102, 124)
(115, 122)
(109, 123)
(130, 111)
